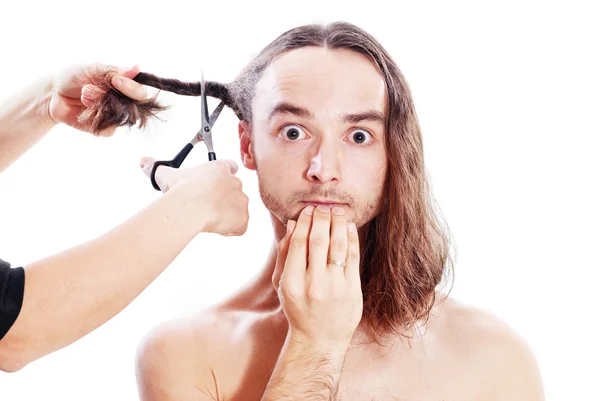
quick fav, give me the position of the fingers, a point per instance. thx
(130, 73)
(318, 246)
(146, 163)
(282, 252)
(164, 175)
(122, 81)
(233, 167)
(338, 244)
(295, 264)
(90, 94)
(130, 88)
(353, 263)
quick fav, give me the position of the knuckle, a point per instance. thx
(297, 243)
(352, 243)
(338, 245)
(319, 240)
(237, 183)
(289, 289)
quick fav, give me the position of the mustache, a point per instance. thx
(332, 195)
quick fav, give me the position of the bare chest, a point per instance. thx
(403, 377)
(379, 376)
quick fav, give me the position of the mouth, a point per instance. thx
(314, 202)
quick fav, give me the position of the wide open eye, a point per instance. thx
(360, 136)
(292, 133)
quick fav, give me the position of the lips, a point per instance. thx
(326, 202)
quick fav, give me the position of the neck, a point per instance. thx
(260, 294)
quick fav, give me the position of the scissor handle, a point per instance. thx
(175, 163)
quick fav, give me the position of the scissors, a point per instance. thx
(204, 135)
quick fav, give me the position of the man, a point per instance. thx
(329, 126)
(55, 301)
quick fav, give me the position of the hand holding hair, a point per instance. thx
(79, 92)
(70, 294)
(117, 102)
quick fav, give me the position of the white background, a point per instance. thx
(508, 100)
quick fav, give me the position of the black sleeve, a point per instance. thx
(12, 287)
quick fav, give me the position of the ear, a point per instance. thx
(246, 151)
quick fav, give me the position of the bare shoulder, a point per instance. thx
(500, 356)
(193, 358)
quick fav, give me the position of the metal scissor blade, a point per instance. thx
(205, 133)
(215, 113)
(204, 103)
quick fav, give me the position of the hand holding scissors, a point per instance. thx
(204, 135)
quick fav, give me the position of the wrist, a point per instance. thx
(44, 98)
(324, 347)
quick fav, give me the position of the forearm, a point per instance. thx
(71, 294)
(306, 373)
(24, 120)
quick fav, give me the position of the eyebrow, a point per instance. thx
(371, 115)
(288, 108)
(302, 112)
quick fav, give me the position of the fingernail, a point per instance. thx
(289, 226)
(86, 101)
(338, 210)
(117, 82)
(351, 227)
(324, 208)
(87, 92)
(309, 210)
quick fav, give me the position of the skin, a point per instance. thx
(70, 294)
(295, 333)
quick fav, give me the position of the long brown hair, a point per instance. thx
(406, 255)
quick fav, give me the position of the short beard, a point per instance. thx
(286, 211)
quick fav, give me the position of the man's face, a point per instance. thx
(318, 134)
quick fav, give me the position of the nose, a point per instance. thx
(324, 164)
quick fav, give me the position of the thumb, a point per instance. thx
(146, 163)
(282, 251)
(233, 167)
(165, 176)
(129, 73)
